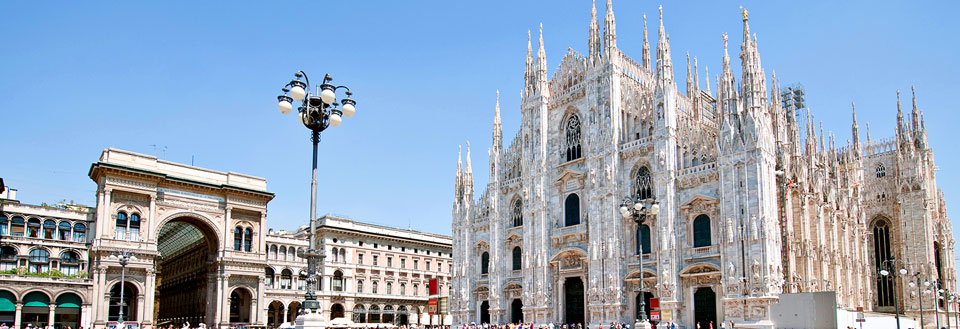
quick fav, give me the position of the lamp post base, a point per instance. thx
(310, 320)
(641, 324)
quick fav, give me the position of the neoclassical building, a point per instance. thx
(199, 252)
(753, 202)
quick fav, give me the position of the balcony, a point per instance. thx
(703, 252)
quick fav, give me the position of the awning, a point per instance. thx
(7, 302)
(69, 300)
(37, 299)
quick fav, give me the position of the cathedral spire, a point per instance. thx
(529, 77)
(901, 126)
(753, 86)
(706, 73)
(664, 62)
(915, 115)
(689, 77)
(468, 177)
(497, 128)
(542, 66)
(696, 75)
(594, 42)
(458, 186)
(856, 132)
(646, 45)
(609, 30)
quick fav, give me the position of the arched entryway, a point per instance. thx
(387, 316)
(36, 309)
(374, 314)
(705, 307)
(646, 295)
(68, 310)
(484, 312)
(240, 306)
(8, 307)
(275, 314)
(188, 248)
(359, 314)
(403, 316)
(516, 311)
(128, 304)
(336, 311)
(292, 311)
(573, 301)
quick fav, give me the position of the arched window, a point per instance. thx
(3, 225)
(268, 277)
(247, 239)
(643, 239)
(389, 288)
(359, 314)
(337, 281)
(17, 226)
(69, 263)
(881, 170)
(79, 232)
(517, 259)
(283, 253)
(8, 258)
(881, 254)
(336, 311)
(403, 289)
(376, 287)
(701, 231)
(571, 210)
(644, 188)
(129, 303)
(416, 289)
(517, 213)
(336, 255)
(273, 251)
(121, 226)
(572, 132)
(302, 282)
(485, 263)
(359, 286)
(292, 253)
(33, 228)
(237, 237)
(63, 231)
(374, 314)
(134, 227)
(49, 229)
(343, 255)
(39, 261)
(286, 278)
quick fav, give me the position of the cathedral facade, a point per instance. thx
(752, 202)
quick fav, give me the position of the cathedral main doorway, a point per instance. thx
(573, 300)
(705, 308)
(187, 249)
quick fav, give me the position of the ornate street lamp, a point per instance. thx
(124, 258)
(919, 294)
(317, 112)
(890, 263)
(636, 209)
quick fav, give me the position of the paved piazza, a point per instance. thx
(751, 215)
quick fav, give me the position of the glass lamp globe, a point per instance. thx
(912, 284)
(903, 271)
(349, 109)
(926, 283)
(638, 206)
(298, 93)
(285, 107)
(327, 96)
(655, 209)
(884, 272)
(335, 120)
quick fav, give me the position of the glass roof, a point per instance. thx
(177, 237)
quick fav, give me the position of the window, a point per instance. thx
(121, 232)
(572, 132)
(389, 261)
(643, 239)
(283, 253)
(302, 282)
(39, 261)
(79, 232)
(337, 281)
(134, 227)
(517, 213)
(374, 260)
(3, 225)
(389, 288)
(49, 229)
(273, 251)
(882, 253)
(343, 255)
(416, 289)
(335, 255)
(63, 231)
(360, 258)
(403, 263)
(359, 286)
(237, 238)
(268, 277)
(247, 240)
(8, 258)
(33, 228)
(701, 231)
(416, 264)
(403, 289)
(881, 170)
(484, 263)
(286, 278)
(375, 287)
(428, 266)
(292, 253)
(644, 188)
(517, 259)
(572, 210)
(17, 226)
(69, 263)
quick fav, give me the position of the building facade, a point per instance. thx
(199, 252)
(752, 203)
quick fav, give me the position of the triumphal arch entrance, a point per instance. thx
(193, 239)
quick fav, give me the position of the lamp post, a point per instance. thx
(919, 294)
(123, 258)
(317, 112)
(638, 210)
(893, 273)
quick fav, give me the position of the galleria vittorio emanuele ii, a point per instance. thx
(709, 205)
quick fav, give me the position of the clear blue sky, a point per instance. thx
(200, 78)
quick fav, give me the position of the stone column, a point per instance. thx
(141, 309)
(152, 220)
(283, 310)
(110, 225)
(227, 229)
(149, 305)
(86, 319)
(18, 316)
(261, 317)
(53, 312)
(223, 302)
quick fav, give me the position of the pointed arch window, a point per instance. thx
(881, 170)
(517, 212)
(571, 210)
(701, 231)
(517, 258)
(485, 263)
(359, 286)
(134, 227)
(247, 239)
(237, 237)
(572, 133)
(121, 232)
(881, 254)
(644, 189)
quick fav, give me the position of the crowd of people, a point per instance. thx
(31, 326)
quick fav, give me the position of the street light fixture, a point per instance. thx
(124, 258)
(636, 209)
(317, 113)
(891, 264)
